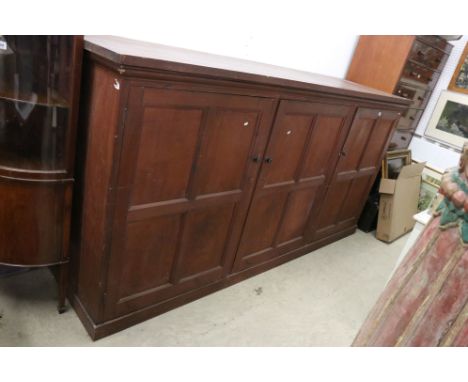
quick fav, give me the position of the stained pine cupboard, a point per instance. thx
(198, 171)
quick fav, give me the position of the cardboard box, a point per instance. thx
(399, 202)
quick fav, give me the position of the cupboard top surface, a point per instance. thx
(132, 53)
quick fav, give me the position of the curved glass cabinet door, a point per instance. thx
(39, 83)
(36, 95)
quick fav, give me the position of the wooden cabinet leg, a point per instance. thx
(62, 287)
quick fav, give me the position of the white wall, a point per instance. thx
(423, 149)
(286, 46)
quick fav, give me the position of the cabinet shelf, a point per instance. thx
(32, 135)
(17, 163)
(54, 100)
(37, 70)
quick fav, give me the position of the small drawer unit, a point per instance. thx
(400, 139)
(409, 119)
(427, 55)
(418, 74)
(419, 96)
(436, 42)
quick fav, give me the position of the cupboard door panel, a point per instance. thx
(151, 253)
(353, 203)
(163, 167)
(296, 215)
(376, 145)
(225, 152)
(301, 154)
(332, 204)
(262, 223)
(37, 210)
(322, 146)
(205, 235)
(185, 183)
(354, 147)
(287, 147)
(355, 172)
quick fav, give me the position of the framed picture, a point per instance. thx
(430, 183)
(394, 161)
(449, 121)
(459, 81)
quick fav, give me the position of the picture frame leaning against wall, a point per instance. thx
(449, 120)
(459, 81)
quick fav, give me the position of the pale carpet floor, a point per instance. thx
(320, 299)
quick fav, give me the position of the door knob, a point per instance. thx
(256, 159)
(268, 160)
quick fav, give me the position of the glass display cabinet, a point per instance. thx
(39, 91)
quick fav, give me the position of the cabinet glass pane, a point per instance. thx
(35, 73)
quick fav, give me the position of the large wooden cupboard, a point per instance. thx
(198, 171)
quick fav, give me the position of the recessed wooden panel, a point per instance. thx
(356, 143)
(357, 191)
(377, 140)
(168, 142)
(296, 215)
(225, 151)
(323, 144)
(331, 206)
(150, 252)
(286, 147)
(205, 235)
(32, 219)
(262, 223)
